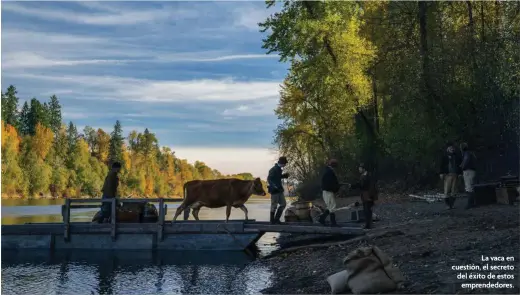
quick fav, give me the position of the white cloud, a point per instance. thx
(30, 49)
(255, 108)
(249, 17)
(109, 17)
(132, 89)
(256, 161)
(19, 60)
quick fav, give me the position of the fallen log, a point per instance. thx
(368, 237)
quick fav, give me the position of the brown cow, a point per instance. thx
(219, 193)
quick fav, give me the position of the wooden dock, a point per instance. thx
(163, 235)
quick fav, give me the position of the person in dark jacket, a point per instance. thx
(449, 172)
(275, 188)
(468, 167)
(109, 189)
(330, 187)
(368, 189)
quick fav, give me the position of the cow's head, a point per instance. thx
(258, 188)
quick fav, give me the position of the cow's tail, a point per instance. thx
(184, 191)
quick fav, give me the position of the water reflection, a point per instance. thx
(130, 272)
(46, 210)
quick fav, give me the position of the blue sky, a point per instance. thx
(192, 72)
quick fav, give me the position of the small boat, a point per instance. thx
(127, 212)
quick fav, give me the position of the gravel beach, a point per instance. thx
(424, 240)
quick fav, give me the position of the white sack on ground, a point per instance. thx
(338, 282)
(370, 271)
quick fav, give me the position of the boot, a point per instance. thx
(368, 223)
(452, 202)
(278, 215)
(471, 201)
(323, 217)
(271, 218)
(333, 219)
(447, 201)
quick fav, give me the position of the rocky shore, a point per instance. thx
(424, 240)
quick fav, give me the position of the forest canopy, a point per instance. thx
(389, 83)
(41, 156)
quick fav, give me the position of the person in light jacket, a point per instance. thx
(330, 187)
(468, 167)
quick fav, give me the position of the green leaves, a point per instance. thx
(417, 74)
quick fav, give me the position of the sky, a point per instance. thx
(193, 73)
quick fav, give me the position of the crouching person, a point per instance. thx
(330, 187)
(368, 189)
(110, 190)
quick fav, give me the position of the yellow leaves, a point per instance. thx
(103, 145)
(126, 158)
(3, 133)
(149, 186)
(10, 140)
(42, 141)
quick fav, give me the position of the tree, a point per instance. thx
(65, 163)
(362, 73)
(10, 106)
(24, 120)
(54, 108)
(38, 113)
(42, 141)
(116, 143)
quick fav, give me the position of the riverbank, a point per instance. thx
(424, 240)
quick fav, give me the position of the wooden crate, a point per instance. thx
(506, 195)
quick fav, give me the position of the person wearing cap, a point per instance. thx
(330, 187)
(368, 193)
(275, 188)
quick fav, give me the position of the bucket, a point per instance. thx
(303, 210)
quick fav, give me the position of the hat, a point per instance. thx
(282, 160)
(333, 162)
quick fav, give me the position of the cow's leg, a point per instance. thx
(243, 207)
(195, 213)
(228, 212)
(183, 206)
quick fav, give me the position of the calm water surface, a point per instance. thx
(129, 272)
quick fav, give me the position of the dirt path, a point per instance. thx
(433, 240)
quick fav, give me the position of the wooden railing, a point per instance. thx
(84, 203)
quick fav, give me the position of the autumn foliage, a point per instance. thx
(43, 157)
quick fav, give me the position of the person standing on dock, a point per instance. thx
(468, 167)
(368, 189)
(109, 189)
(330, 187)
(449, 172)
(275, 188)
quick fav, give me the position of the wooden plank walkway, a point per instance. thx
(201, 234)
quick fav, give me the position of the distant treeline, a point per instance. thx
(43, 157)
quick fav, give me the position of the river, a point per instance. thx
(129, 272)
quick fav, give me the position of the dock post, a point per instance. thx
(66, 220)
(160, 227)
(113, 219)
